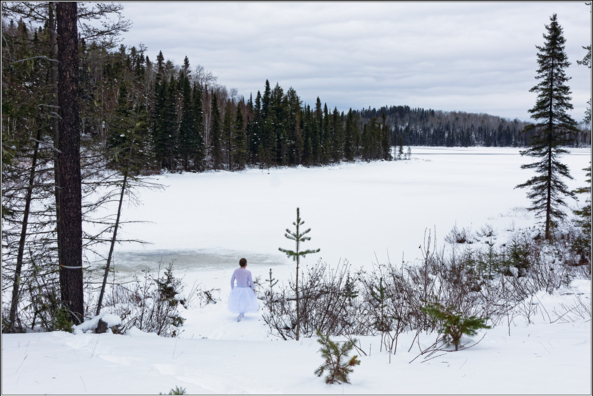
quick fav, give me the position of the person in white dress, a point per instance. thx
(242, 298)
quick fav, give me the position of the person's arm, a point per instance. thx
(251, 282)
(233, 279)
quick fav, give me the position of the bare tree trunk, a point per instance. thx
(298, 329)
(21, 249)
(70, 211)
(53, 54)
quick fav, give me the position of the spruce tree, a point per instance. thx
(239, 143)
(215, 135)
(584, 216)
(552, 129)
(198, 149)
(299, 237)
(349, 138)
(187, 125)
(336, 136)
(227, 133)
(255, 140)
(587, 62)
(385, 140)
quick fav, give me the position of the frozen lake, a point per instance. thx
(210, 220)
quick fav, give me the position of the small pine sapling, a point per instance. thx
(349, 290)
(383, 322)
(177, 391)
(298, 237)
(454, 324)
(336, 360)
(271, 281)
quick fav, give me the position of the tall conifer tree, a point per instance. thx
(187, 125)
(239, 143)
(227, 133)
(198, 151)
(553, 128)
(215, 135)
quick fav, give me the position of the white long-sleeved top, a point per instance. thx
(243, 278)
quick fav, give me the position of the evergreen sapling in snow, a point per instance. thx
(454, 324)
(298, 237)
(336, 360)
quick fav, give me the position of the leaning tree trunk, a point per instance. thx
(70, 212)
(121, 200)
(21, 248)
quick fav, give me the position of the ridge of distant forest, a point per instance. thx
(427, 127)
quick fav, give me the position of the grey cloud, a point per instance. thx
(477, 57)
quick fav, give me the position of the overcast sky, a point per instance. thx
(474, 57)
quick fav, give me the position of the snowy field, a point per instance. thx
(360, 212)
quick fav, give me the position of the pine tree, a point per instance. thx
(298, 237)
(553, 128)
(453, 324)
(70, 216)
(336, 359)
(215, 135)
(239, 143)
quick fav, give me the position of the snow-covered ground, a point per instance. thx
(207, 222)
(219, 355)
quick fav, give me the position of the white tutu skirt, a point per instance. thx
(242, 299)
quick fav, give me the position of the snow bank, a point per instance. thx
(135, 332)
(92, 323)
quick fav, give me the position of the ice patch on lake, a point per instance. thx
(130, 262)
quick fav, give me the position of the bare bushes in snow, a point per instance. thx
(150, 303)
(488, 279)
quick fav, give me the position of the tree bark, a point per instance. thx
(70, 212)
(298, 327)
(53, 54)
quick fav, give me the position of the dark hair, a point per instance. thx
(242, 262)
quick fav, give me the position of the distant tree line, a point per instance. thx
(427, 127)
